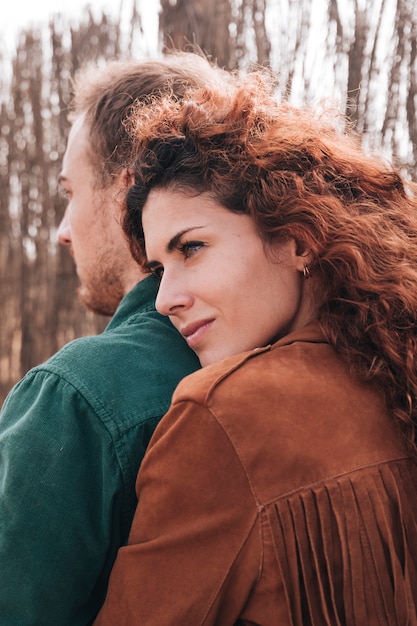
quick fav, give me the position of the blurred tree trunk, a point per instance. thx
(224, 30)
(356, 65)
(202, 22)
(36, 267)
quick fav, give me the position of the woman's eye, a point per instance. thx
(188, 248)
(157, 271)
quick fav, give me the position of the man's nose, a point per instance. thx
(64, 231)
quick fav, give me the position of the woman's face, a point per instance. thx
(219, 286)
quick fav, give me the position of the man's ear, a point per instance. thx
(121, 184)
(127, 176)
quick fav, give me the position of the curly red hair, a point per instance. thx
(298, 176)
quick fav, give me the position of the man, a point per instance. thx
(74, 430)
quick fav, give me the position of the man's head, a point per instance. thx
(95, 173)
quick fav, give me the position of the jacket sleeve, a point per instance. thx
(58, 479)
(194, 549)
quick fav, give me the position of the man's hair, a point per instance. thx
(104, 95)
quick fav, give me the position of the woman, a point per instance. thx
(280, 488)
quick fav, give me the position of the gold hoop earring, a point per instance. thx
(306, 272)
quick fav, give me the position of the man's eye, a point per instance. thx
(188, 248)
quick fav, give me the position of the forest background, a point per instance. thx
(359, 54)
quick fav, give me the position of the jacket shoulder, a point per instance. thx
(200, 385)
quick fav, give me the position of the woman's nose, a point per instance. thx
(172, 297)
(64, 231)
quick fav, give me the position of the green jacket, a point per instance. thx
(73, 432)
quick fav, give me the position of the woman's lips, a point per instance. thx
(194, 332)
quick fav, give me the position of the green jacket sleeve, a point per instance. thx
(58, 534)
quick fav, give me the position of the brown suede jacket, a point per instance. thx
(277, 491)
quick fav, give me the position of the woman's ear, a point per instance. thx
(294, 254)
(303, 261)
(301, 257)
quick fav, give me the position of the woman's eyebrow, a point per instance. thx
(172, 245)
(173, 242)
